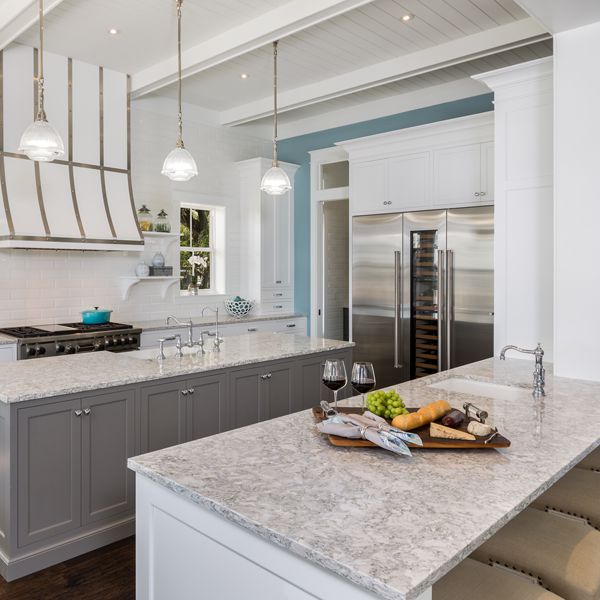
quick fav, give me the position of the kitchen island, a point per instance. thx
(274, 511)
(68, 424)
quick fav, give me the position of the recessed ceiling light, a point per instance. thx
(113, 31)
(407, 18)
(244, 76)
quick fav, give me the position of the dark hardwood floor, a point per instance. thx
(105, 574)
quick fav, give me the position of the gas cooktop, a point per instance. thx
(27, 331)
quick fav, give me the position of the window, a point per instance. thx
(196, 256)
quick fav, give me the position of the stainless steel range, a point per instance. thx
(73, 338)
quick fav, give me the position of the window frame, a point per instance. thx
(210, 250)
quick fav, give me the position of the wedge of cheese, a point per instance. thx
(441, 431)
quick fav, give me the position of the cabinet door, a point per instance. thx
(162, 416)
(408, 181)
(368, 187)
(108, 440)
(276, 240)
(278, 391)
(487, 172)
(457, 175)
(206, 406)
(48, 470)
(245, 391)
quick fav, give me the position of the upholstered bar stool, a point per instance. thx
(577, 493)
(563, 553)
(472, 580)
(591, 461)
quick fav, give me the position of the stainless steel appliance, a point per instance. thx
(422, 291)
(72, 338)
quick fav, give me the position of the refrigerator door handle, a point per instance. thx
(398, 291)
(442, 263)
(449, 305)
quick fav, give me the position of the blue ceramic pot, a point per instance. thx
(95, 316)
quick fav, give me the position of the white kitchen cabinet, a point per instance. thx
(369, 186)
(457, 175)
(409, 181)
(488, 165)
(8, 352)
(276, 229)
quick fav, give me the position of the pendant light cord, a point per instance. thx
(275, 162)
(41, 114)
(180, 115)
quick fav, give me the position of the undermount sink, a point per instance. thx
(152, 353)
(480, 388)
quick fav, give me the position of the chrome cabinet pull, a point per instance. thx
(252, 329)
(278, 281)
(477, 194)
(78, 413)
(291, 325)
(277, 306)
(279, 295)
(482, 194)
(398, 312)
(263, 377)
(191, 391)
(184, 392)
(87, 411)
(269, 375)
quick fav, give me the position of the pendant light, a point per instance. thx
(275, 181)
(179, 164)
(40, 141)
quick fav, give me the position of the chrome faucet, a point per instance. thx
(539, 375)
(188, 324)
(218, 340)
(161, 347)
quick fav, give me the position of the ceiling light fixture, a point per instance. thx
(179, 164)
(113, 31)
(244, 76)
(275, 181)
(40, 141)
(407, 18)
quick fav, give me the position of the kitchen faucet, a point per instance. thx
(218, 340)
(539, 375)
(189, 325)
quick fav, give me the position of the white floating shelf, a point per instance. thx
(159, 237)
(127, 282)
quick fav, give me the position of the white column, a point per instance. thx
(523, 237)
(577, 203)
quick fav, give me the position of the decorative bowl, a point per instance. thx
(238, 308)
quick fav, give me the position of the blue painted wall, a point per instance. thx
(295, 150)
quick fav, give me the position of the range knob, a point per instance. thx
(40, 350)
(123, 341)
(97, 346)
(117, 341)
(69, 350)
(131, 339)
(108, 342)
(30, 351)
(60, 348)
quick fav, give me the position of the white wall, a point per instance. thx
(577, 202)
(49, 286)
(523, 216)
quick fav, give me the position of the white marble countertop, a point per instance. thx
(389, 524)
(57, 375)
(224, 319)
(7, 339)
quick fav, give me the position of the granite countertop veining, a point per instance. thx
(389, 524)
(224, 319)
(57, 375)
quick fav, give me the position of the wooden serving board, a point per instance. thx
(423, 432)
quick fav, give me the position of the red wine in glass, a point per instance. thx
(335, 377)
(363, 379)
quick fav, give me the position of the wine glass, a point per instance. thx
(363, 379)
(335, 377)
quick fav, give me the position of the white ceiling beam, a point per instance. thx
(273, 25)
(17, 16)
(558, 15)
(460, 50)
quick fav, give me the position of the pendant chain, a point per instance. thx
(180, 114)
(41, 114)
(275, 162)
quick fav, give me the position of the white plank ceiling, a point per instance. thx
(364, 35)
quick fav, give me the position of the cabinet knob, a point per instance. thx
(482, 194)
(184, 392)
(269, 375)
(477, 194)
(78, 413)
(87, 411)
(265, 376)
(191, 391)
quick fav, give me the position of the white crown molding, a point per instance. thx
(517, 74)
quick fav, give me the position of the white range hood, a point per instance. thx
(84, 201)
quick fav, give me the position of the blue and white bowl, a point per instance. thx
(238, 308)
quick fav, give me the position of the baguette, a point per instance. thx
(423, 416)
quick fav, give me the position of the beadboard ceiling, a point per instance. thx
(334, 54)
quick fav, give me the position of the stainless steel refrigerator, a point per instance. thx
(422, 291)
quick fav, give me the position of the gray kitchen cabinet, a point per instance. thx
(108, 440)
(207, 410)
(163, 415)
(277, 390)
(48, 470)
(245, 392)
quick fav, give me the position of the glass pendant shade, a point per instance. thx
(41, 142)
(179, 165)
(275, 182)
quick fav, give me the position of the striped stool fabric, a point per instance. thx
(591, 461)
(563, 553)
(577, 493)
(473, 580)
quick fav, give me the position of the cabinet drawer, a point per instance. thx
(281, 306)
(272, 295)
(292, 326)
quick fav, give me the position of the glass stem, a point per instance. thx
(364, 407)
(335, 393)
